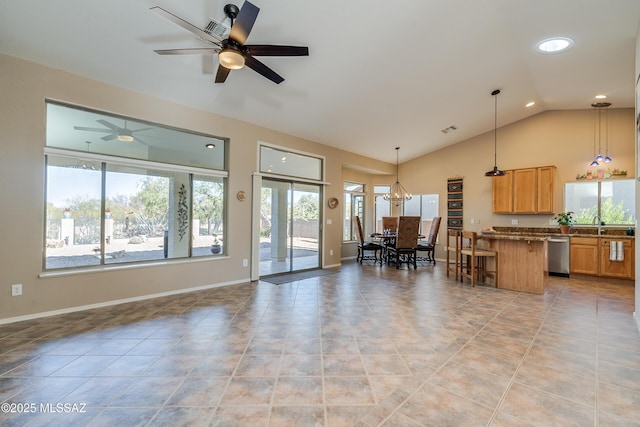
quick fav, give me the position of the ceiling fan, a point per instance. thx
(114, 132)
(232, 51)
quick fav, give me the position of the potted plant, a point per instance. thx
(565, 221)
(216, 248)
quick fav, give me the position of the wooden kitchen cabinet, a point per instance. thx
(525, 184)
(584, 255)
(546, 189)
(590, 255)
(622, 269)
(524, 191)
(502, 189)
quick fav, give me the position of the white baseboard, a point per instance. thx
(116, 302)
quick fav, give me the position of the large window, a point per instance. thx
(381, 206)
(425, 206)
(612, 202)
(107, 209)
(353, 205)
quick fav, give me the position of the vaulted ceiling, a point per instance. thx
(380, 74)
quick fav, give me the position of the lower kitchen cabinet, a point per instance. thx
(624, 268)
(584, 255)
(591, 255)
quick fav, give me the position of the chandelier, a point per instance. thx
(397, 193)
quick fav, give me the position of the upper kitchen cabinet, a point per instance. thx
(524, 191)
(546, 189)
(502, 189)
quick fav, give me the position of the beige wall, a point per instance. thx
(560, 138)
(24, 87)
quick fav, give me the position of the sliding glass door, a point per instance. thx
(289, 226)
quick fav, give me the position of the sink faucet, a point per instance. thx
(597, 217)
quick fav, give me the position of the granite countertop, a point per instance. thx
(617, 233)
(515, 236)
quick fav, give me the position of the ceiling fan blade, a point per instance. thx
(262, 69)
(109, 125)
(186, 25)
(222, 74)
(274, 50)
(244, 22)
(188, 51)
(139, 130)
(93, 129)
(109, 137)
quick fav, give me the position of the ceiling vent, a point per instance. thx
(449, 129)
(217, 29)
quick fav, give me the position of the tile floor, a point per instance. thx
(366, 346)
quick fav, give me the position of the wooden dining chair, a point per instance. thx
(476, 260)
(365, 246)
(390, 223)
(428, 246)
(453, 250)
(404, 250)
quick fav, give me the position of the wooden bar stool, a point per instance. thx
(476, 264)
(453, 248)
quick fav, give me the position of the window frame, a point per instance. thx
(600, 199)
(355, 202)
(180, 205)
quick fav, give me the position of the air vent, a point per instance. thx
(449, 129)
(217, 29)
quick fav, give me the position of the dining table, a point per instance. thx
(388, 238)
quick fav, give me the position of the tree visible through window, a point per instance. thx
(611, 202)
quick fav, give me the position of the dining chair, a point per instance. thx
(428, 246)
(364, 246)
(390, 225)
(404, 250)
(476, 264)
(453, 248)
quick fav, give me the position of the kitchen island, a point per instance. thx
(522, 261)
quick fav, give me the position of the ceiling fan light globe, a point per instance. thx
(125, 138)
(231, 59)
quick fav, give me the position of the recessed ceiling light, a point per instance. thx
(530, 104)
(555, 45)
(601, 96)
(210, 145)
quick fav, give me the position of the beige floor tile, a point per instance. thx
(363, 347)
(298, 391)
(542, 408)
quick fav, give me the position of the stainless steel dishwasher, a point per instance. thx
(559, 256)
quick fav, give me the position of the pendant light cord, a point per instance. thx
(495, 128)
(397, 159)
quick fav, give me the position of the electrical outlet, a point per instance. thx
(473, 221)
(16, 290)
(245, 263)
(552, 222)
(330, 252)
(329, 222)
(514, 222)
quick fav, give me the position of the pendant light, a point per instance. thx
(495, 171)
(597, 133)
(397, 193)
